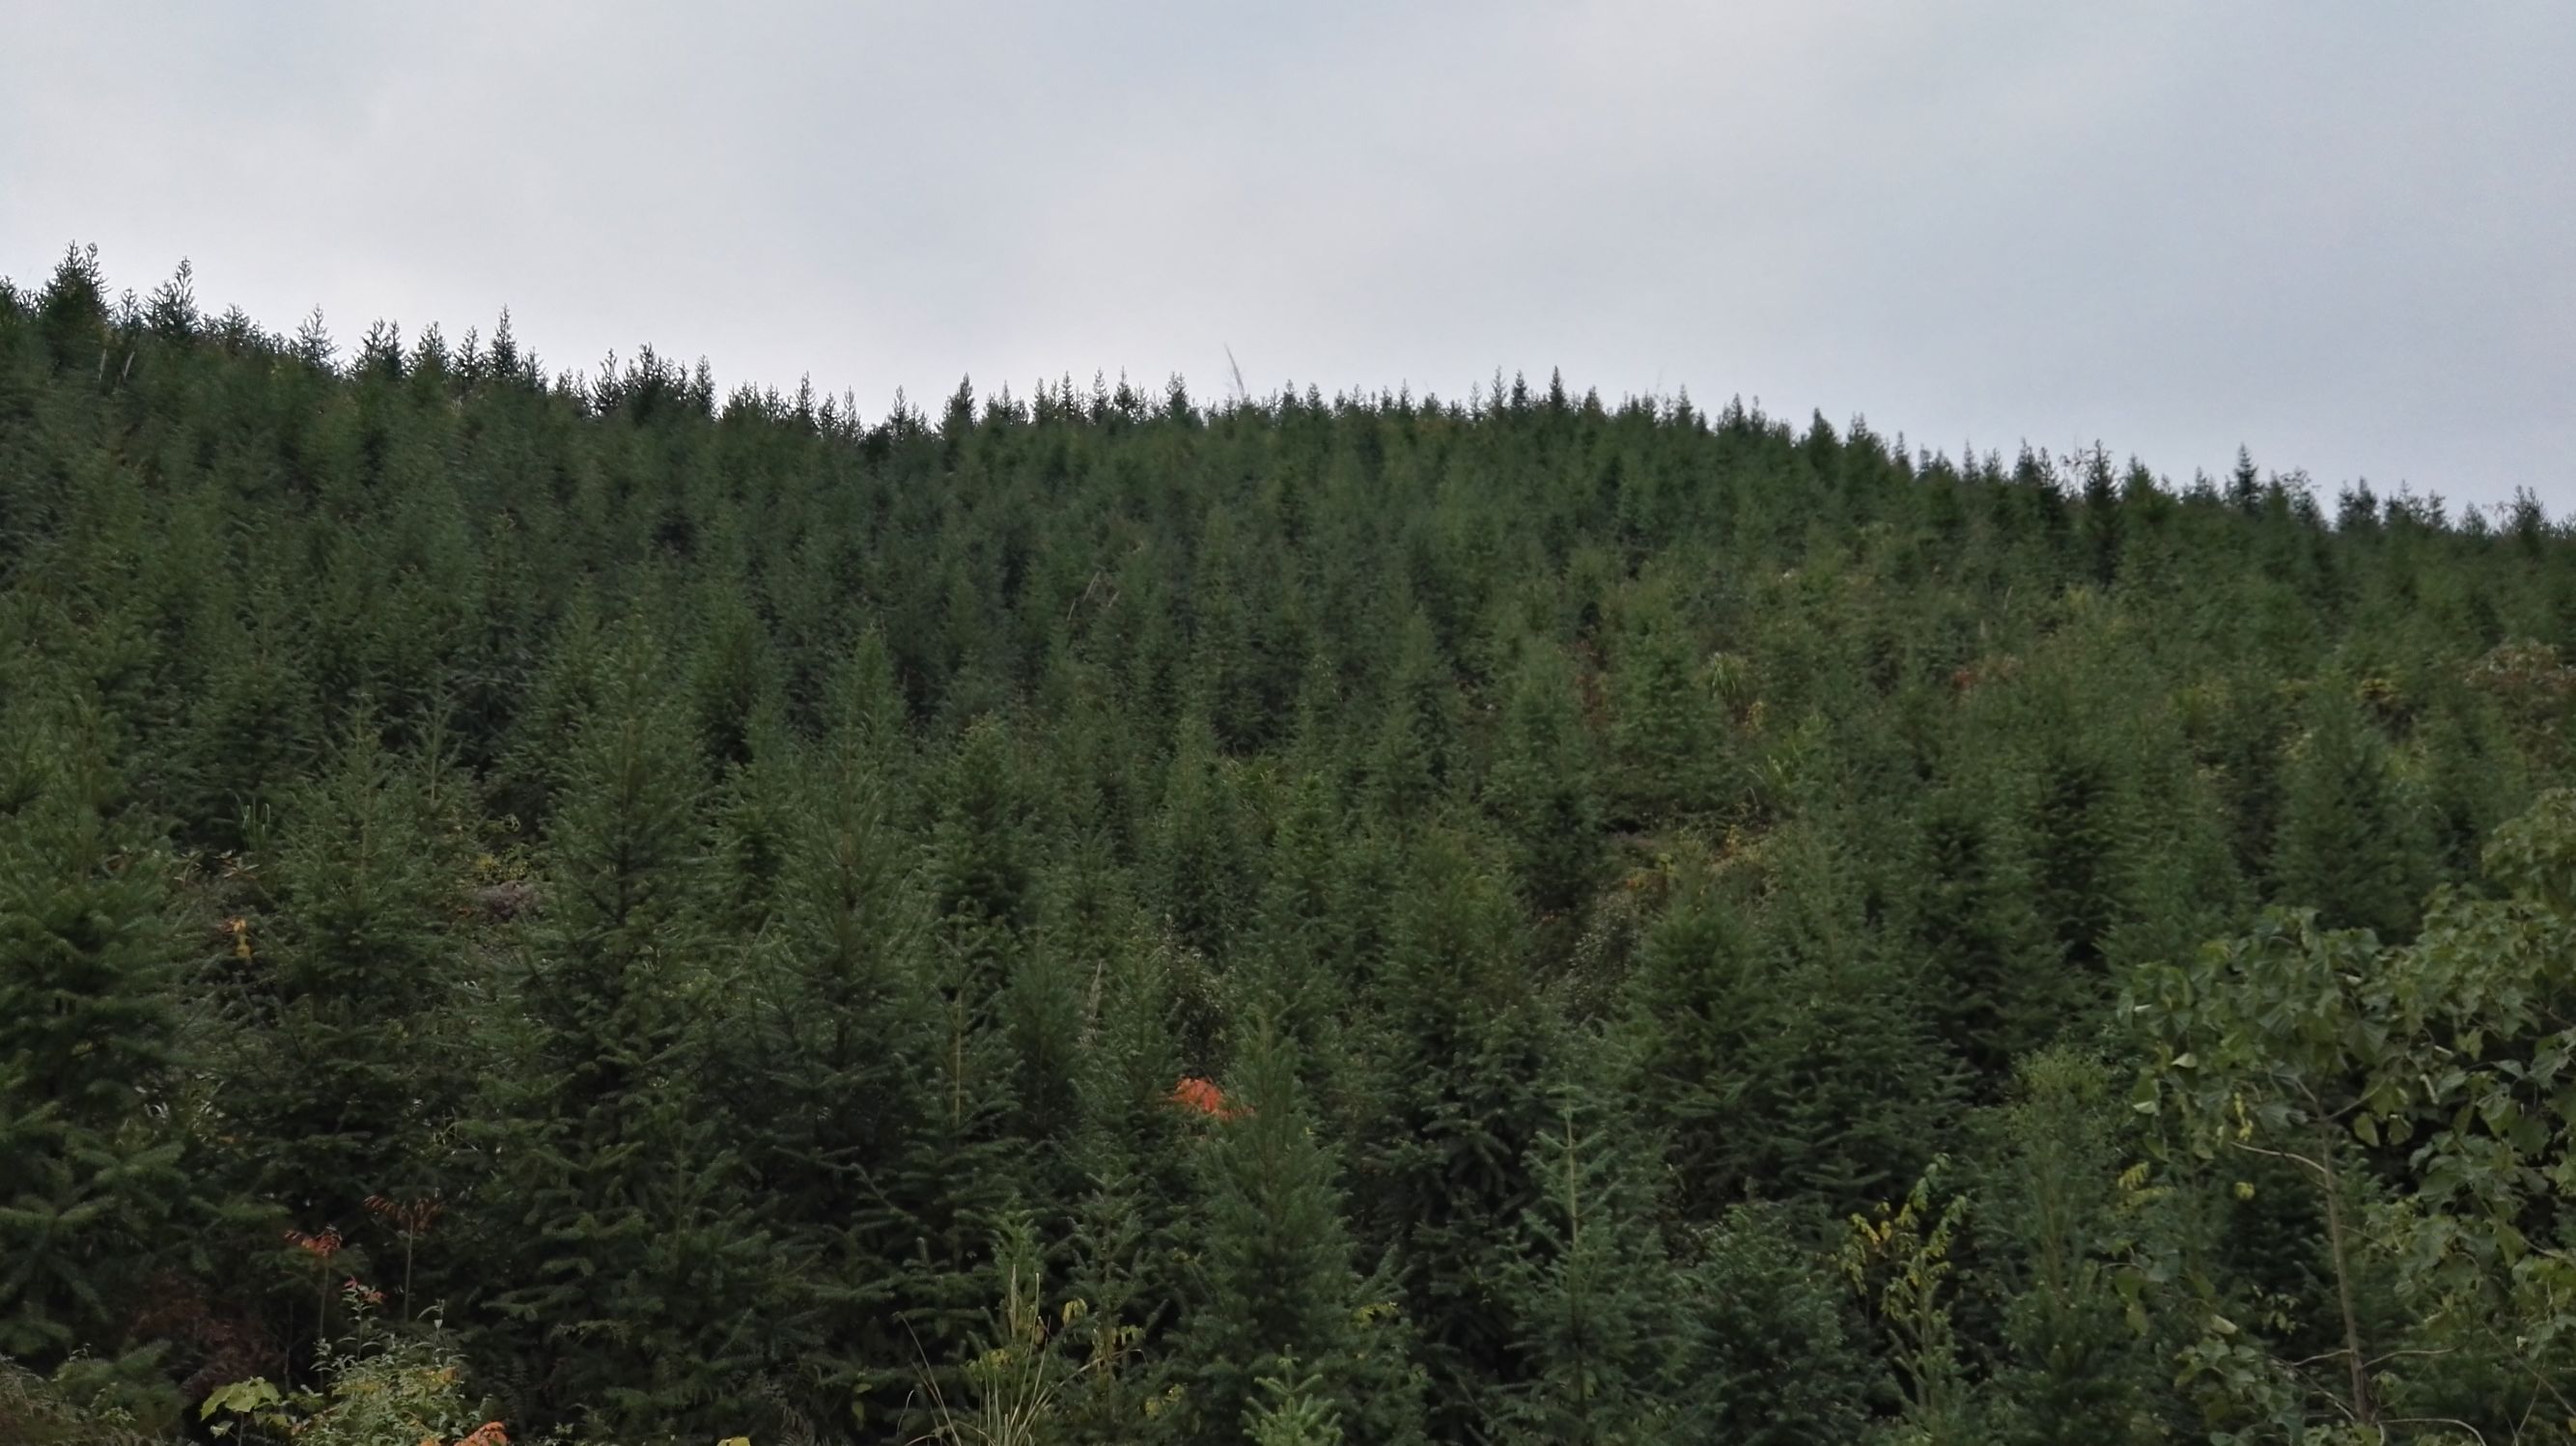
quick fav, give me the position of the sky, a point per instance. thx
(2341, 233)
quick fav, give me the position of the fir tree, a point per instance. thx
(1767, 1353)
(1449, 1110)
(637, 1269)
(1277, 1276)
(1591, 1295)
(1200, 845)
(1416, 742)
(1663, 738)
(2078, 1371)
(1541, 786)
(1994, 984)
(1693, 1018)
(342, 1084)
(95, 1198)
(844, 1024)
(2351, 843)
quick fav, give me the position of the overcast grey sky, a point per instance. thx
(2341, 233)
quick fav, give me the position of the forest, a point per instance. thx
(568, 906)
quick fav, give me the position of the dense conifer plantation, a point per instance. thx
(578, 901)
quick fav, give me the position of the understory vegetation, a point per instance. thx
(577, 905)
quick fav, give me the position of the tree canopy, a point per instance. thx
(1092, 917)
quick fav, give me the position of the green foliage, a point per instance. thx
(636, 1264)
(2418, 1092)
(377, 1388)
(1033, 1359)
(35, 1411)
(1596, 1310)
(2080, 1236)
(1543, 787)
(1276, 1272)
(2351, 842)
(1769, 1353)
(1422, 915)
(95, 1197)
(1900, 1260)
(1998, 987)
(1294, 1413)
(346, 1071)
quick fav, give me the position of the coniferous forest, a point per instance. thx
(561, 905)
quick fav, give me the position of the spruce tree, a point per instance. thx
(1768, 1354)
(1416, 745)
(2078, 835)
(1692, 1018)
(981, 877)
(1663, 722)
(1199, 844)
(2076, 1369)
(71, 312)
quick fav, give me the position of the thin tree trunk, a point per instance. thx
(2362, 1411)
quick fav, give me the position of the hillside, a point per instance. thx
(1376, 918)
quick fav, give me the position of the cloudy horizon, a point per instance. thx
(2337, 235)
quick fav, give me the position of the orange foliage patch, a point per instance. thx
(1203, 1096)
(320, 1247)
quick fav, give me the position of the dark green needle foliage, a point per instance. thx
(1364, 918)
(1278, 1275)
(1598, 1320)
(93, 1197)
(615, 1181)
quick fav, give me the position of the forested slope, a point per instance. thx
(1372, 919)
